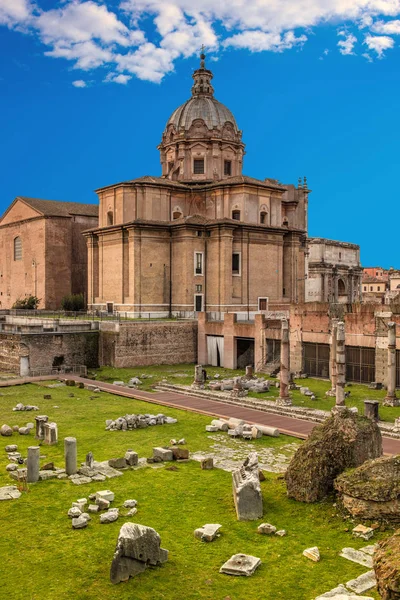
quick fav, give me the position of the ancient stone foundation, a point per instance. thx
(247, 490)
(372, 491)
(343, 441)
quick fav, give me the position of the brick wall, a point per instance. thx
(9, 354)
(148, 344)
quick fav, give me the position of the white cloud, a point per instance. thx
(79, 83)
(379, 43)
(346, 46)
(108, 33)
(387, 27)
(14, 12)
(115, 78)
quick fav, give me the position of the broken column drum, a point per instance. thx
(247, 490)
(391, 398)
(40, 422)
(284, 398)
(70, 455)
(371, 409)
(340, 365)
(50, 434)
(33, 464)
(198, 377)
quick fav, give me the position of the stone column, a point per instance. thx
(332, 358)
(340, 367)
(70, 455)
(391, 398)
(33, 464)
(371, 409)
(198, 377)
(284, 398)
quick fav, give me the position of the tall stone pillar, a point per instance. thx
(33, 464)
(391, 398)
(340, 367)
(70, 455)
(332, 358)
(284, 398)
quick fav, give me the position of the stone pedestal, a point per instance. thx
(33, 464)
(284, 397)
(340, 367)
(70, 455)
(391, 398)
(40, 422)
(371, 409)
(249, 372)
(50, 434)
(198, 377)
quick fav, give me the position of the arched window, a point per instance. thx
(341, 288)
(263, 217)
(17, 248)
(236, 215)
(177, 213)
(110, 218)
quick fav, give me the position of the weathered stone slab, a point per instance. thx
(240, 564)
(208, 532)
(357, 556)
(207, 463)
(364, 582)
(363, 532)
(369, 549)
(104, 469)
(341, 593)
(105, 495)
(212, 428)
(137, 547)
(247, 490)
(117, 463)
(131, 458)
(9, 492)
(110, 516)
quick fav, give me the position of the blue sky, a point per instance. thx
(86, 88)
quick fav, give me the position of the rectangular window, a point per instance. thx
(227, 167)
(198, 263)
(198, 166)
(236, 263)
(365, 288)
(379, 288)
(262, 303)
(198, 302)
(199, 233)
(199, 288)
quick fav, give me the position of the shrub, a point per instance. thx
(28, 303)
(73, 302)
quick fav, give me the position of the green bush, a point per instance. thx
(73, 302)
(29, 303)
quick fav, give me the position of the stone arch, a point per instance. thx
(341, 286)
(264, 215)
(110, 217)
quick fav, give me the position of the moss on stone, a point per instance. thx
(387, 567)
(377, 480)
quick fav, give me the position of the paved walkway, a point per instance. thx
(286, 425)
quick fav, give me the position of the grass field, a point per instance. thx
(42, 558)
(183, 374)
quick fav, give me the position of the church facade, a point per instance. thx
(202, 236)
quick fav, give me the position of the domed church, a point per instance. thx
(202, 236)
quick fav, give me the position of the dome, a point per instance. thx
(207, 108)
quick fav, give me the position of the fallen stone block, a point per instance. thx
(110, 516)
(163, 454)
(207, 463)
(130, 503)
(266, 430)
(240, 564)
(363, 532)
(9, 492)
(131, 458)
(6, 431)
(79, 523)
(105, 495)
(233, 423)
(312, 553)
(208, 532)
(74, 512)
(212, 428)
(179, 453)
(222, 425)
(137, 547)
(94, 508)
(11, 448)
(247, 490)
(266, 529)
(358, 557)
(117, 463)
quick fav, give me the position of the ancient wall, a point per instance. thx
(9, 354)
(65, 348)
(132, 344)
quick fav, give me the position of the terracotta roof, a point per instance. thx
(56, 208)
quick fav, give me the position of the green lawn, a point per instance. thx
(183, 374)
(42, 558)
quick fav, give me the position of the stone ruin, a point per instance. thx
(345, 440)
(130, 422)
(239, 428)
(372, 491)
(247, 490)
(21, 407)
(241, 564)
(387, 567)
(137, 548)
